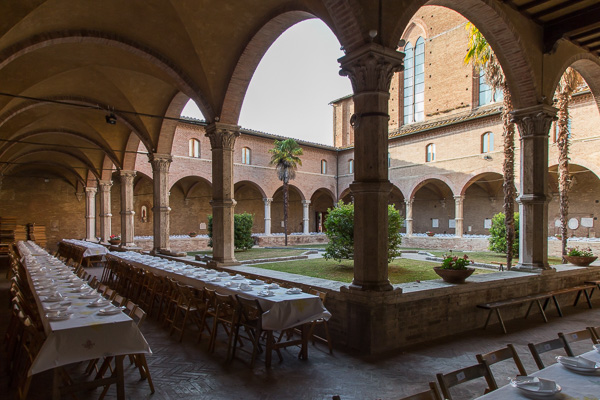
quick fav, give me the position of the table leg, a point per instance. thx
(120, 377)
(304, 330)
(55, 384)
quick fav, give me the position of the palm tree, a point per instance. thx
(285, 157)
(481, 55)
(567, 85)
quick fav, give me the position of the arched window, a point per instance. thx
(246, 155)
(414, 82)
(430, 152)
(350, 166)
(194, 145)
(485, 92)
(487, 142)
(323, 166)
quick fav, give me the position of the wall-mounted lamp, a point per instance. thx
(111, 119)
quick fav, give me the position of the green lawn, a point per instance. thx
(400, 271)
(252, 254)
(487, 257)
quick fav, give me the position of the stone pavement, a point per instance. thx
(188, 371)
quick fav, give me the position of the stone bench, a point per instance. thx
(494, 307)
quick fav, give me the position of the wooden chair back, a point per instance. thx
(503, 354)
(454, 378)
(577, 336)
(548, 345)
(431, 394)
(595, 330)
(119, 300)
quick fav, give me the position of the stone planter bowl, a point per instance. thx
(193, 234)
(114, 242)
(454, 275)
(580, 261)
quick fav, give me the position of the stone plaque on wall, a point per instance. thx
(451, 223)
(487, 223)
(202, 225)
(435, 223)
(587, 222)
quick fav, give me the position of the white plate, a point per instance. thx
(217, 279)
(294, 291)
(99, 303)
(238, 277)
(56, 307)
(534, 386)
(222, 274)
(246, 289)
(257, 282)
(52, 299)
(273, 286)
(110, 311)
(89, 296)
(267, 293)
(60, 317)
(579, 364)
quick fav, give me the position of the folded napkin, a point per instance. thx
(579, 362)
(535, 384)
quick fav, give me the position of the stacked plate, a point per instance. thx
(579, 364)
(532, 386)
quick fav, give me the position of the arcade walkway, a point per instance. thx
(187, 371)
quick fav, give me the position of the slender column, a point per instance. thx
(222, 140)
(370, 69)
(305, 217)
(90, 213)
(127, 213)
(534, 124)
(459, 201)
(268, 202)
(409, 216)
(105, 213)
(160, 177)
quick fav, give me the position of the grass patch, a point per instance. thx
(400, 270)
(253, 254)
(488, 257)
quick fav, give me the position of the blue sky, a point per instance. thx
(294, 83)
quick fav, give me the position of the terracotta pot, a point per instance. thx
(580, 261)
(430, 233)
(454, 275)
(114, 242)
(193, 234)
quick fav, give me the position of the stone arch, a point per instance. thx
(413, 26)
(397, 199)
(250, 199)
(84, 160)
(189, 200)
(483, 197)
(131, 152)
(321, 201)
(433, 206)
(39, 41)
(79, 178)
(108, 167)
(588, 67)
(169, 124)
(294, 210)
(430, 179)
(346, 196)
(503, 36)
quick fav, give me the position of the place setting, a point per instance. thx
(58, 315)
(535, 387)
(110, 310)
(579, 364)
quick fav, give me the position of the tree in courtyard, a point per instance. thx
(497, 238)
(286, 158)
(569, 82)
(339, 226)
(242, 231)
(483, 59)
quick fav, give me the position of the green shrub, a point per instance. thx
(242, 231)
(498, 235)
(339, 227)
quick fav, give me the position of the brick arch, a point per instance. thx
(344, 193)
(348, 22)
(130, 156)
(503, 36)
(585, 163)
(81, 158)
(182, 81)
(169, 124)
(475, 178)
(200, 180)
(108, 167)
(290, 187)
(431, 179)
(588, 66)
(253, 184)
(323, 189)
(78, 177)
(416, 25)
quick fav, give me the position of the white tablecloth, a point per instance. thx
(86, 335)
(281, 311)
(91, 249)
(575, 386)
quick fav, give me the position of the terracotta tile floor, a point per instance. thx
(187, 371)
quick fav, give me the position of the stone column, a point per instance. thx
(534, 124)
(268, 202)
(160, 178)
(409, 216)
(370, 69)
(222, 141)
(459, 201)
(105, 212)
(305, 216)
(127, 212)
(90, 213)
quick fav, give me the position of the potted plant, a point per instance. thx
(429, 233)
(581, 258)
(454, 269)
(114, 239)
(193, 234)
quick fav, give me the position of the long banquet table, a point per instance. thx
(574, 385)
(91, 249)
(87, 334)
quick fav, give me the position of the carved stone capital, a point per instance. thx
(222, 136)
(105, 185)
(534, 121)
(160, 162)
(268, 201)
(90, 191)
(371, 67)
(409, 202)
(127, 177)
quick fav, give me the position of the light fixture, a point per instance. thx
(111, 119)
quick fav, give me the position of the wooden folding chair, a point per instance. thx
(577, 336)
(595, 330)
(225, 315)
(460, 376)
(431, 394)
(549, 345)
(502, 354)
(190, 306)
(320, 322)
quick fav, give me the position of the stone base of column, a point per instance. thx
(168, 252)
(221, 264)
(374, 287)
(368, 314)
(533, 268)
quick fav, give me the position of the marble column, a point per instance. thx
(305, 216)
(105, 210)
(160, 180)
(459, 202)
(268, 202)
(127, 212)
(222, 141)
(409, 216)
(90, 213)
(534, 124)
(370, 69)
